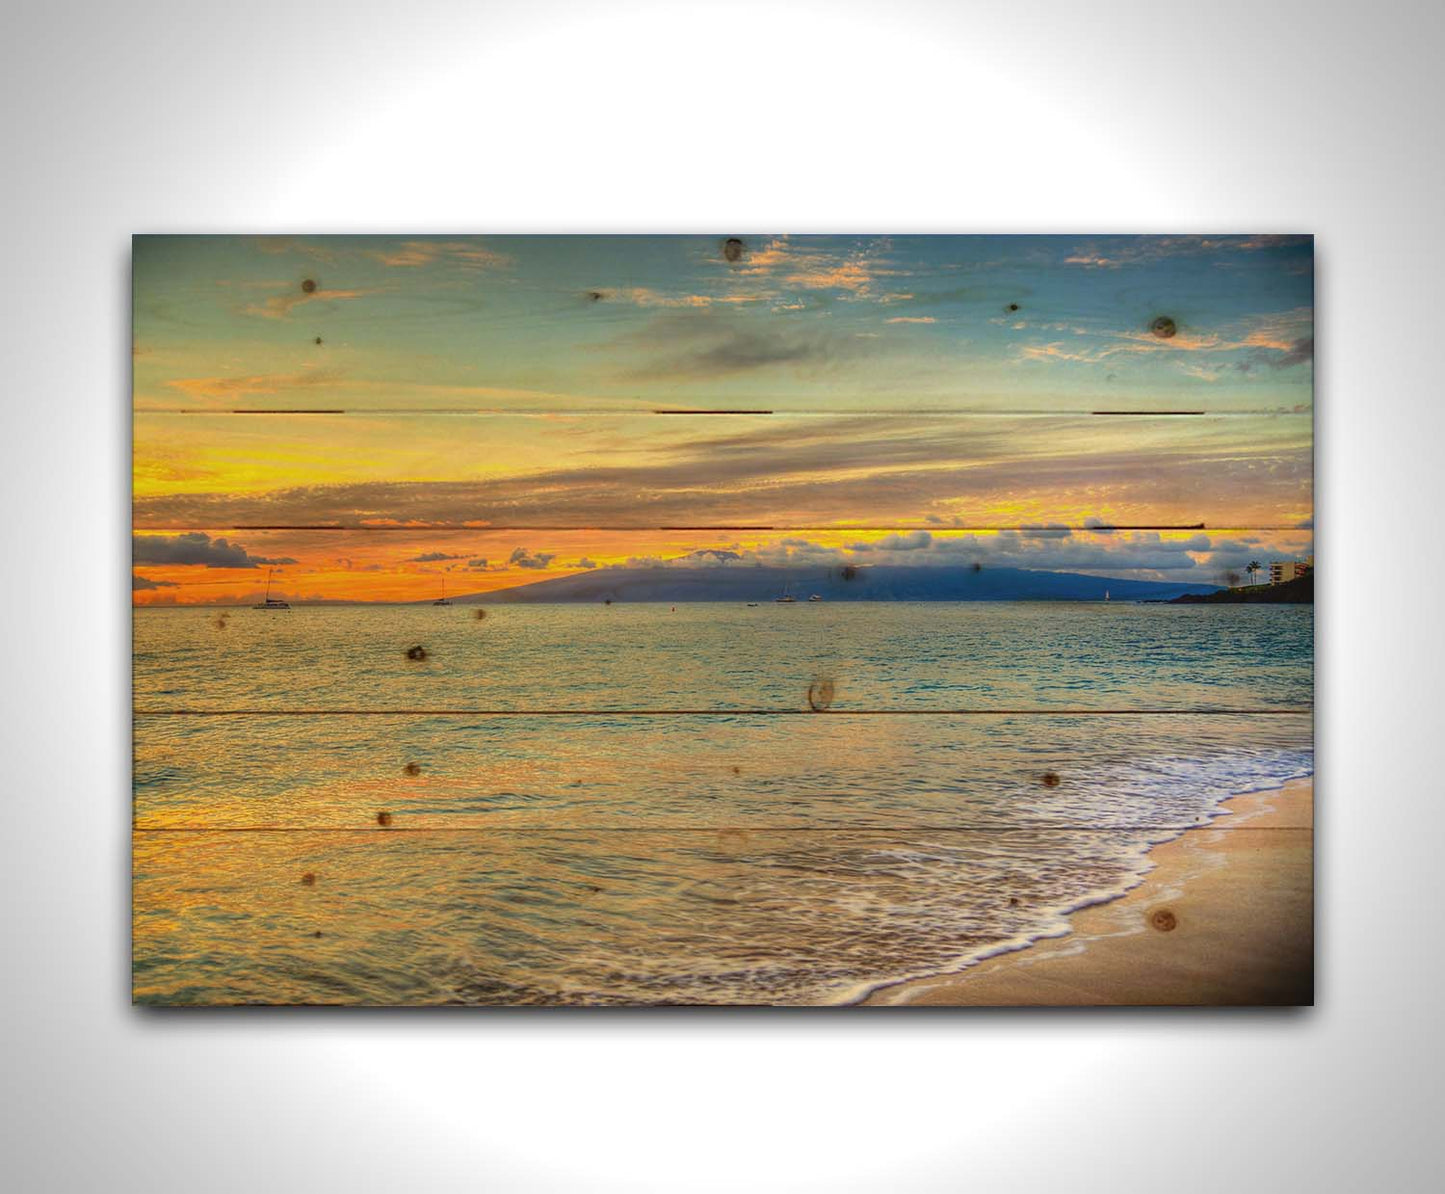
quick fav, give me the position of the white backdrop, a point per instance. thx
(826, 116)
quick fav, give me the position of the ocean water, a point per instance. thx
(523, 816)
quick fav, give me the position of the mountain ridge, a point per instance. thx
(761, 583)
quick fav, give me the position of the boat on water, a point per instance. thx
(271, 602)
(787, 598)
(442, 600)
(815, 597)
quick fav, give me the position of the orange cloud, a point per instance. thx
(642, 296)
(258, 383)
(855, 273)
(416, 253)
(1280, 332)
(281, 305)
(1145, 249)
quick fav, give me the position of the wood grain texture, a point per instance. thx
(747, 772)
(780, 471)
(582, 917)
(714, 620)
(606, 324)
(1225, 918)
(702, 658)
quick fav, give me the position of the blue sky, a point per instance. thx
(1052, 322)
(919, 382)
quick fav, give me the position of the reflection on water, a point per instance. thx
(891, 656)
(620, 859)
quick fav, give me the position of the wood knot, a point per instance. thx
(733, 249)
(308, 286)
(383, 819)
(417, 652)
(1050, 779)
(308, 879)
(820, 694)
(411, 769)
(1163, 327)
(1163, 920)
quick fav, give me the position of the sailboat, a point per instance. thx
(271, 602)
(442, 600)
(787, 598)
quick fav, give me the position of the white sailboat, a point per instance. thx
(271, 602)
(787, 598)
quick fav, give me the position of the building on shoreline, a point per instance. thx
(1283, 570)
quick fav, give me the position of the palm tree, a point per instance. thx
(1253, 567)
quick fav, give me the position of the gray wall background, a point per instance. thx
(438, 116)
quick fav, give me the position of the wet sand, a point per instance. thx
(1226, 916)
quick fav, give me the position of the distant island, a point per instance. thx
(1299, 591)
(761, 583)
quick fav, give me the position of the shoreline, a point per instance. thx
(1224, 916)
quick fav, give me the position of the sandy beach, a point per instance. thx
(1226, 916)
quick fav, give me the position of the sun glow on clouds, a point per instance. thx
(282, 305)
(374, 572)
(550, 326)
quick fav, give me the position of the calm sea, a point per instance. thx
(522, 816)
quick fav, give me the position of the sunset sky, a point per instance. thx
(491, 407)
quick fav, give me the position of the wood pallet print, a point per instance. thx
(723, 620)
